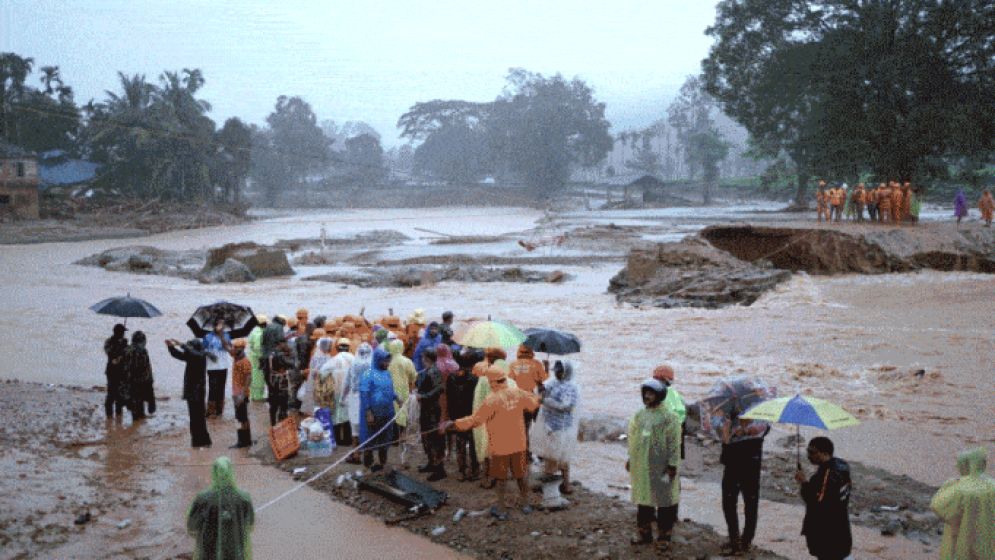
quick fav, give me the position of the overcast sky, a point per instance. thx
(366, 60)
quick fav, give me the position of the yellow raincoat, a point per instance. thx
(402, 372)
(967, 508)
(654, 445)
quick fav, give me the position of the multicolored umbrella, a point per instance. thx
(802, 411)
(485, 334)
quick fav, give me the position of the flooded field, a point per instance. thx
(855, 340)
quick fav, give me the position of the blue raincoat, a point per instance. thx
(376, 394)
(425, 343)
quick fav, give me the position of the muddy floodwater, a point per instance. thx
(855, 340)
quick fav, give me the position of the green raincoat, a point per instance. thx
(967, 508)
(257, 386)
(402, 372)
(675, 404)
(221, 518)
(654, 445)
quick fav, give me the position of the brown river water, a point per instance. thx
(850, 339)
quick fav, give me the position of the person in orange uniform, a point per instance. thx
(241, 378)
(858, 199)
(491, 355)
(836, 195)
(529, 374)
(822, 201)
(896, 202)
(987, 206)
(503, 414)
(884, 202)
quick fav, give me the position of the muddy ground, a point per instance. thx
(594, 526)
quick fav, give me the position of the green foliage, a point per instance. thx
(36, 119)
(291, 149)
(535, 131)
(363, 160)
(704, 149)
(844, 88)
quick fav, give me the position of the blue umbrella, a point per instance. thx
(126, 307)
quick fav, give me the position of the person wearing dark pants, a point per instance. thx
(194, 386)
(827, 500)
(377, 398)
(742, 455)
(241, 379)
(278, 382)
(665, 518)
(429, 391)
(115, 347)
(139, 375)
(217, 344)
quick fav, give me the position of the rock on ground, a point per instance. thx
(691, 273)
(411, 276)
(140, 259)
(263, 262)
(231, 271)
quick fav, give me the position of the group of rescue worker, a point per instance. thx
(890, 202)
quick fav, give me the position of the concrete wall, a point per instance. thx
(19, 193)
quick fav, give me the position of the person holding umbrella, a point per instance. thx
(827, 498)
(194, 386)
(115, 347)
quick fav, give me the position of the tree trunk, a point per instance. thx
(800, 195)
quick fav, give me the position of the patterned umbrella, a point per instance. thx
(485, 334)
(802, 411)
(239, 319)
(126, 307)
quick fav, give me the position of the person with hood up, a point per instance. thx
(257, 389)
(967, 507)
(115, 347)
(529, 374)
(987, 206)
(360, 367)
(430, 387)
(555, 436)
(379, 336)
(241, 380)
(447, 366)
(827, 498)
(340, 367)
(221, 518)
(323, 382)
(402, 371)
(654, 459)
(501, 414)
(960, 205)
(377, 408)
(491, 356)
(278, 368)
(194, 386)
(217, 345)
(430, 339)
(139, 376)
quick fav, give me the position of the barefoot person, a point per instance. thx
(827, 498)
(501, 414)
(221, 518)
(194, 386)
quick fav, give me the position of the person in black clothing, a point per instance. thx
(139, 377)
(459, 404)
(194, 386)
(115, 347)
(301, 346)
(827, 499)
(277, 372)
(742, 455)
(429, 389)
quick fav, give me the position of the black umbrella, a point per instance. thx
(551, 341)
(126, 306)
(239, 319)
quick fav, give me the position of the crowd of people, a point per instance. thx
(890, 202)
(497, 418)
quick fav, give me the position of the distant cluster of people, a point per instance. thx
(891, 202)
